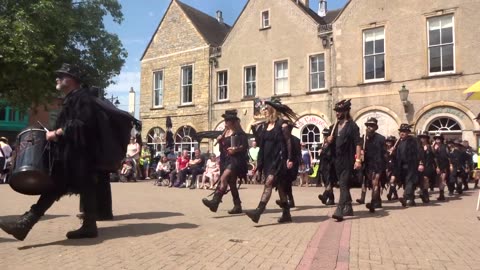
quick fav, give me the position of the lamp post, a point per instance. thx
(404, 97)
(114, 100)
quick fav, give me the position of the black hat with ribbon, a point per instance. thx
(423, 134)
(438, 135)
(70, 70)
(405, 128)
(343, 106)
(372, 121)
(391, 139)
(275, 103)
(230, 115)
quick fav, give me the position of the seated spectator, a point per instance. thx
(195, 168)
(180, 165)
(127, 170)
(163, 170)
(212, 171)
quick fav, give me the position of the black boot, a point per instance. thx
(331, 198)
(20, 228)
(338, 214)
(214, 202)
(459, 188)
(254, 215)
(348, 210)
(323, 197)
(291, 202)
(362, 198)
(390, 193)
(403, 201)
(88, 229)
(441, 197)
(425, 196)
(411, 203)
(465, 184)
(375, 203)
(286, 217)
(237, 207)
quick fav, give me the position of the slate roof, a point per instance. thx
(212, 31)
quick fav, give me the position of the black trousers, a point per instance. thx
(192, 171)
(103, 196)
(408, 176)
(344, 177)
(88, 196)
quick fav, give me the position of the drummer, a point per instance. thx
(73, 142)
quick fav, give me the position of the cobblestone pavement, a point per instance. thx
(162, 228)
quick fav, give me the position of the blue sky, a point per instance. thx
(141, 18)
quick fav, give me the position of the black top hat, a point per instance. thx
(423, 134)
(372, 121)
(230, 115)
(70, 70)
(391, 139)
(438, 135)
(343, 106)
(405, 128)
(326, 132)
(478, 117)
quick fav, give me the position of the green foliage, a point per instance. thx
(37, 36)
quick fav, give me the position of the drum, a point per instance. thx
(30, 174)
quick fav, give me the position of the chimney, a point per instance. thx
(219, 16)
(131, 101)
(304, 2)
(322, 8)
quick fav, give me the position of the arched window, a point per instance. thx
(156, 139)
(447, 126)
(186, 139)
(311, 137)
(444, 125)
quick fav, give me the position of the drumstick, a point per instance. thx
(223, 133)
(43, 126)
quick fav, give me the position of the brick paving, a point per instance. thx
(162, 228)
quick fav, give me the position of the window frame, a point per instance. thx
(364, 56)
(245, 82)
(310, 57)
(452, 15)
(160, 105)
(182, 68)
(263, 19)
(275, 92)
(225, 71)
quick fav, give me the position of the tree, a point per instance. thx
(37, 36)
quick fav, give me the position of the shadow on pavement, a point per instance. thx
(45, 217)
(298, 219)
(115, 232)
(147, 215)
(5, 240)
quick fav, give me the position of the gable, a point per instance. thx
(175, 33)
(285, 15)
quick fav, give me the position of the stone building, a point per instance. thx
(399, 62)
(175, 74)
(277, 48)
(429, 47)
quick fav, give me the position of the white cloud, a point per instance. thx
(124, 81)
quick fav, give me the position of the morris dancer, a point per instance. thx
(233, 162)
(275, 156)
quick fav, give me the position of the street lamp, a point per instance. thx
(114, 100)
(404, 97)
